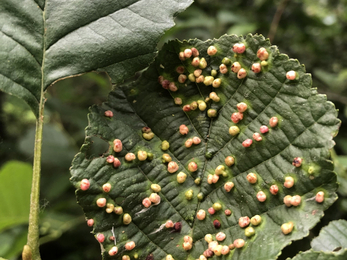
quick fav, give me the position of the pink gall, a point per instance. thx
(242, 73)
(247, 143)
(201, 214)
(262, 54)
(236, 117)
(228, 186)
(273, 121)
(235, 67)
(220, 236)
(184, 130)
(100, 237)
(192, 167)
(172, 167)
(264, 129)
(101, 202)
(108, 113)
(196, 140)
(130, 245)
(291, 75)
(274, 189)
(211, 50)
(106, 187)
(257, 137)
(169, 224)
(261, 196)
(196, 62)
(90, 222)
(188, 143)
(180, 69)
(195, 52)
(244, 221)
(130, 157)
(186, 108)
(256, 67)
(188, 53)
(297, 161)
(239, 48)
(320, 196)
(116, 163)
(182, 78)
(117, 145)
(146, 202)
(241, 107)
(85, 184)
(211, 210)
(223, 69)
(110, 159)
(113, 251)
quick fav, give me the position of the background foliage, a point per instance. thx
(309, 30)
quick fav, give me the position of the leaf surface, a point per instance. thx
(332, 237)
(15, 186)
(44, 41)
(307, 123)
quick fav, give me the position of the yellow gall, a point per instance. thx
(208, 238)
(155, 187)
(192, 167)
(287, 200)
(142, 155)
(239, 243)
(287, 228)
(229, 161)
(130, 157)
(154, 198)
(197, 72)
(181, 177)
(216, 83)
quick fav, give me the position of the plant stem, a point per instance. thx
(33, 231)
(276, 19)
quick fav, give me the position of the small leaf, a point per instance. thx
(15, 186)
(331, 238)
(44, 41)
(146, 118)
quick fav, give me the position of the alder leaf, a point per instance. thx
(304, 132)
(44, 41)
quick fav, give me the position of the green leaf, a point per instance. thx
(44, 41)
(312, 255)
(15, 185)
(307, 123)
(332, 237)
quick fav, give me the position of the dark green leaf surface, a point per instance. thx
(307, 123)
(332, 237)
(312, 255)
(44, 41)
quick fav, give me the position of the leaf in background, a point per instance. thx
(332, 237)
(44, 41)
(312, 255)
(12, 241)
(307, 123)
(15, 185)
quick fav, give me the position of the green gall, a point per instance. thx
(202, 105)
(142, 155)
(249, 232)
(219, 170)
(181, 177)
(118, 210)
(213, 73)
(226, 61)
(156, 187)
(197, 181)
(136, 255)
(148, 136)
(208, 80)
(264, 63)
(149, 156)
(212, 112)
(191, 77)
(193, 105)
(200, 196)
(166, 157)
(256, 220)
(165, 145)
(189, 194)
(214, 97)
(217, 206)
(229, 161)
(287, 228)
(310, 169)
(126, 219)
(202, 63)
(234, 130)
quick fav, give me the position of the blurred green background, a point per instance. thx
(313, 31)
